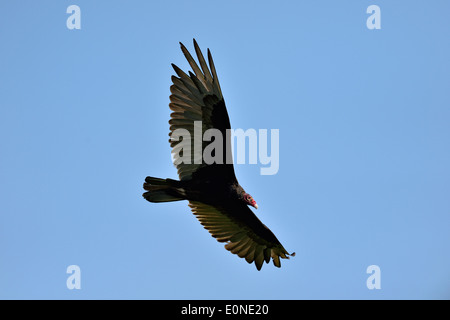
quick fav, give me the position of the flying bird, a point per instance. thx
(214, 194)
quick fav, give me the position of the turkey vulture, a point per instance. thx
(213, 192)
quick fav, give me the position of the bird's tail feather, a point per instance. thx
(162, 190)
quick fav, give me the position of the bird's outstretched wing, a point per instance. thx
(196, 98)
(243, 232)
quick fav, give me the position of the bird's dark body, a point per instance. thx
(212, 190)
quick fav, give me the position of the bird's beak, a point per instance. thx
(256, 206)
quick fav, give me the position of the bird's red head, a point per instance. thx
(250, 201)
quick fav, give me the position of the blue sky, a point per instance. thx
(364, 173)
